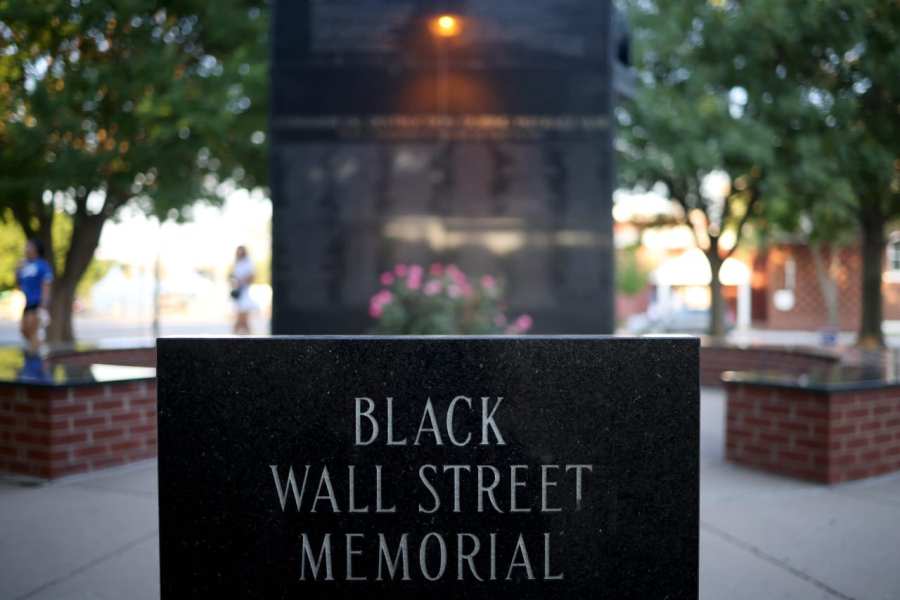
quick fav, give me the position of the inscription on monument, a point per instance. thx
(556, 487)
(490, 149)
(446, 468)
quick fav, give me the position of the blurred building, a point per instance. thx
(778, 287)
(794, 298)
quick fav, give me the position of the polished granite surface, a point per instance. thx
(23, 368)
(108, 343)
(406, 434)
(874, 374)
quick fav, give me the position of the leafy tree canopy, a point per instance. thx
(105, 103)
(687, 122)
(799, 102)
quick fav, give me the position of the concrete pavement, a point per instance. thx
(98, 329)
(86, 537)
(761, 536)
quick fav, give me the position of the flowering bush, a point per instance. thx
(441, 301)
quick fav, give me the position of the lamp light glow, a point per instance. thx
(446, 26)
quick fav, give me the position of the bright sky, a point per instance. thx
(207, 240)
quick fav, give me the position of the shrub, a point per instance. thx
(441, 301)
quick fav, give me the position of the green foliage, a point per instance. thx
(631, 275)
(684, 121)
(803, 97)
(441, 302)
(96, 271)
(799, 103)
(12, 250)
(106, 103)
(823, 75)
(131, 99)
(263, 272)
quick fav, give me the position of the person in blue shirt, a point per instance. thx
(34, 368)
(34, 277)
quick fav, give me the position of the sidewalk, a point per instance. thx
(761, 537)
(93, 329)
(90, 537)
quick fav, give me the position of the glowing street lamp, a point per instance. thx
(446, 26)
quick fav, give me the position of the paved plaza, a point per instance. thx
(761, 536)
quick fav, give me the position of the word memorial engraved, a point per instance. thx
(328, 467)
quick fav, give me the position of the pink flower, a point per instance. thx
(524, 323)
(378, 302)
(400, 270)
(521, 325)
(488, 282)
(387, 278)
(456, 275)
(414, 280)
(454, 291)
(437, 269)
(433, 287)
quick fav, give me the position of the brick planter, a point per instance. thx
(52, 431)
(827, 434)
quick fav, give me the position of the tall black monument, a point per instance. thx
(477, 133)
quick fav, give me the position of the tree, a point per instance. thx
(824, 75)
(825, 224)
(686, 124)
(631, 275)
(818, 80)
(810, 201)
(12, 244)
(133, 101)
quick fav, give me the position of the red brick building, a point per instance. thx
(788, 295)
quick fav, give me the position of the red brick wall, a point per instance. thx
(51, 432)
(809, 311)
(828, 437)
(864, 434)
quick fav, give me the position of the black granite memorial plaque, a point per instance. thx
(490, 148)
(428, 468)
(376, 70)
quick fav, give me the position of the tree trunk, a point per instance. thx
(873, 249)
(45, 234)
(85, 237)
(717, 302)
(827, 284)
(26, 216)
(62, 299)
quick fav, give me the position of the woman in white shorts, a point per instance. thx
(241, 278)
